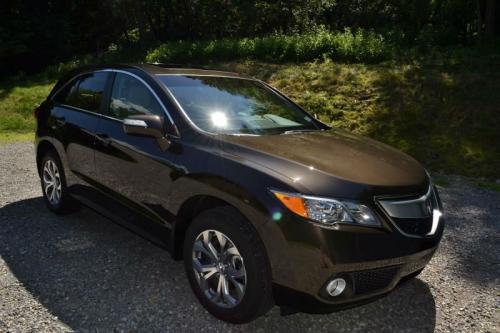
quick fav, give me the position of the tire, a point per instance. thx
(248, 256)
(60, 201)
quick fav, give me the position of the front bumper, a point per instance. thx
(305, 257)
(363, 285)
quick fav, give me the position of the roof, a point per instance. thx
(158, 70)
(148, 68)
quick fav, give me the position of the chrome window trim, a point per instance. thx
(73, 78)
(87, 111)
(179, 106)
(66, 83)
(147, 86)
(106, 116)
(211, 75)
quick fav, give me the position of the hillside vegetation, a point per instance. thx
(443, 110)
(359, 46)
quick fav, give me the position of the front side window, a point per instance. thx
(85, 92)
(131, 97)
(233, 106)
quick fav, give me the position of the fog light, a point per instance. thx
(335, 287)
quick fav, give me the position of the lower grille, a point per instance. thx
(372, 280)
(415, 226)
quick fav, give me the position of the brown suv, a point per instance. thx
(265, 204)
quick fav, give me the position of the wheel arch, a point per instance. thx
(199, 192)
(42, 148)
(191, 208)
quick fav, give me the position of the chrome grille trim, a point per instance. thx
(413, 208)
(423, 207)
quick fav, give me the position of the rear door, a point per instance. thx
(76, 114)
(135, 170)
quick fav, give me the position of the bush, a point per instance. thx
(358, 46)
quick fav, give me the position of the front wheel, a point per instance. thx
(227, 266)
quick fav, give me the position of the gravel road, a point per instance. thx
(81, 272)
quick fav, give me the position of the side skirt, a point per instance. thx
(122, 215)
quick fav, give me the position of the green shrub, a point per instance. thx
(358, 46)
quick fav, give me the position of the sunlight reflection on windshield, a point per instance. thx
(219, 119)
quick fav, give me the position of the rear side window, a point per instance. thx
(131, 97)
(85, 92)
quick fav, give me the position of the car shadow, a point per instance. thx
(95, 275)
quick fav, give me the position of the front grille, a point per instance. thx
(420, 227)
(372, 280)
(413, 216)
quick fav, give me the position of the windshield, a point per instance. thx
(236, 106)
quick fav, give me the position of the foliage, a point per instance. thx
(441, 109)
(357, 46)
(35, 34)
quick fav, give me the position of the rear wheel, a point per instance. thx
(54, 183)
(227, 266)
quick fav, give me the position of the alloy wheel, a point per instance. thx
(219, 268)
(52, 182)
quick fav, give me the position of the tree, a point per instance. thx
(489, 20)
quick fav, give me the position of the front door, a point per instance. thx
(134, 169)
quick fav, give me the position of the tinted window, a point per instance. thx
(232, 105)
(85, 92)
(68, 89)
(131, 97)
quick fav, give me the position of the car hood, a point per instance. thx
(338, 153)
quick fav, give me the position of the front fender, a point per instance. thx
(255, 207)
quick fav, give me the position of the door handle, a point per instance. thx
(103, 139)
(61, 121)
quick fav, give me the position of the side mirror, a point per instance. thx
(147, 125)
(144, 125)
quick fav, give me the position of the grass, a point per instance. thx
(18, 100)
(441, 180)
(488, 185)
(6, 137)
(442, 110)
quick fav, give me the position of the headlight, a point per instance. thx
(328, 211)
